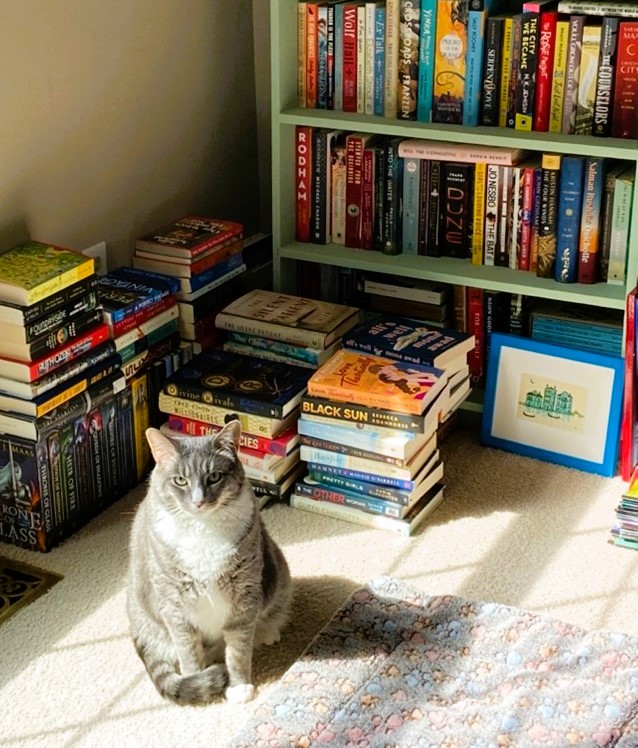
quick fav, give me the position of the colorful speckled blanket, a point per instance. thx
(395, 667)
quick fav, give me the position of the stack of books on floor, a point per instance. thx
(625, 532)
(140, 309)
(370, 422)
(205, 256)
(286, 328)
(65, 445)
(218, 385)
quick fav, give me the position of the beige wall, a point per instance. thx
(120, 115)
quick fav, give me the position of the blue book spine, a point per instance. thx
(411, 186)
(474, 64)
(425, 87)
(379, 59)
(570, 199)
(362, 487)
(160, 281)
(221, 268)
(322, 57)
(405, 485)
(337, 94)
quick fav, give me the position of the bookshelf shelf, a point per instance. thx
(286, 115)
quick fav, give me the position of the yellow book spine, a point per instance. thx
(478, 221)
(506, 66)
(558, 76)
(139, 397)
(60, 398)
(449, 64)
(392, 17)
(59, 282)
(589, 54)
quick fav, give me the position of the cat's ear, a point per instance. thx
(162, 448)
(229, 435)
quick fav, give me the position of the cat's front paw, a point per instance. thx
(241, 693)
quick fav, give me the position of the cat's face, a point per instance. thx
(199, 475)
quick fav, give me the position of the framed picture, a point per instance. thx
(557, 404)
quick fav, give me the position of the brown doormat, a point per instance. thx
(21, 584)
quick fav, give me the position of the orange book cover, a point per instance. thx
(377, 382)
(449, 62)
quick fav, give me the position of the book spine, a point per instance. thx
(319, 200)
(568, 225)
(526, 83)
(449, 71)
(590, 220)
(474, 53)
(126, 440)
(411, 185)
(550, 172)
(301, 53)
(355, 145)
(515, 60)
(589, 58)
(367, 198)
(492, 212)
(57, 318)
(392, 23)
(491, 73)
(544, 68)
(506, 70)
(337, 84)
(375, 490)
(392, 219)
(51, 341)
(432, 245)
(623, 9)
(625, 112)
(409, 32)
(375, 477)
(621, 215)
(526, 217)
(361, 57)
(427, 37)
(516, 218)
(459, 152)
(311, 54)
(379, 60)
(502, 258)
(348, 450)
(362, 414)
(350, 26)
(59, 282)
(536, 217)
(338, 189)
(572, 74)
(604, 100)
(370, 64)
(371, 441)
(423, 208)
(322, 56)
(407, 292)
(140, 418)
(80, 345)
(454, 233)
(559, 74)
(140, 317)
(476, 327)
(605, 222)
(460, 307)
(346, 498)
(110, 450)
(197, 282)
(628, 417)
(17, 314)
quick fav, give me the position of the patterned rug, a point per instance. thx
(395, 667)
(21, 584)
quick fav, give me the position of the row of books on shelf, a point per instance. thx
(564, 67)
(559, 216)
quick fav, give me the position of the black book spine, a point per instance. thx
(491, 71)
(455, 213)
(604, 102)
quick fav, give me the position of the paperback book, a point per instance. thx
(190, 236)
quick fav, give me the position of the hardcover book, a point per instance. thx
(586, 7)
(589, 63)
(34, 270)
(181, 268)
(589, 244)
(377, 381)
(409, 35)
(572, 74)
(544, 69)
(604, 101)
(550, 172)
(291, 319)
(559, 72)
(191, 235)
(568, 223)
(406, 340)
(233, 381)
(625, 116)
(621, 216)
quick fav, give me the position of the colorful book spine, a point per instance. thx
(456, 187)
(379, 59)
(568, 227)
(311, 54)
(628, 417)
(604, 102)
(301, 53)
(478, 212)
(572, 74)
(411, 199)
(424, 207)
(476, 327)
(319, 186)
(393, 177)
(606, 218)
(491, 73)
(350, 32)
(621, 216)
(505, 218)
(427, 42)
(348, 498)
(338, 191)
(361, 58)
(367, 198)
(492, 213)
(322, 56)
(544, 68)
(409, 22)
(330, 56)
(516, 223)
(355, 145)
(588, 247)
(476, 18)
(506, 70)
(559, 72)
(526, 81)
(526, 216)
(625, 116)
(550, 171)
(303, 167)
(449, 64)
(432, 247)
(337, 93)
(589, 59)
(515, 61)
(392, 19)
(536, 215)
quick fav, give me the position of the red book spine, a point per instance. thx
(629, 392)
(476, 327)
(367, 199)
(69, 352)
(212, 259)
(350, 57)
(544, 70)
(311, 55)
(526, 217)
(625, 118)
(303, 166)
(354, 189)
(133, 320)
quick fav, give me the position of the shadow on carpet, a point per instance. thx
(21, 584)
(396, 667)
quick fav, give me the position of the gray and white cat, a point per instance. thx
(205, 577)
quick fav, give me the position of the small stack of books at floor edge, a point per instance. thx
(625, 532)
(369, 424)
(217, 386)
(64, 403)
(205, 257)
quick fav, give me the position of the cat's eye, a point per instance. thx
(213, 478)
(180, 481)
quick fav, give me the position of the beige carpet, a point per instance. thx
(511, 530)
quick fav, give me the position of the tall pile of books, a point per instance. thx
(205, 256)
(624, 532)
(369, 425)
(140, 309)
(64, 407)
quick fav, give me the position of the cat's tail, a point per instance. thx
(197, 689)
